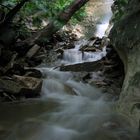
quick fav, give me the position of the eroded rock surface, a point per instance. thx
(125, 37)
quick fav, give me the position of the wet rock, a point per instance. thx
(70, 90)
(83, 48)
(91, 49)
(105, 42)
(60, 50)
(33, 73)
(87, 66)
(91, 43)
(81, 76)
(21, 86)
(98, 40)
(66, 45)
(86, 77)
(97, 44)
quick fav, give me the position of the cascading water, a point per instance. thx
(67, 110)
(72, 56)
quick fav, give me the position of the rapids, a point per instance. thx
(68, 109)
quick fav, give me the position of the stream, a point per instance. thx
(67, 109)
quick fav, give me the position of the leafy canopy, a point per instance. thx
(44, 9)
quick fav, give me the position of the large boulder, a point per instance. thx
(125, 36)
(21, 86)
(86, 66)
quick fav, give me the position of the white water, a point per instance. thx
(72, 56)
(86, 115)
(67, 109)
(104, 22)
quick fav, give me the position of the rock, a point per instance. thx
(21, 86)
(8, 36)
(3, 131)
(91, 43)
(93, 38)
(5, 57)
(10, 63)
(86, 77)
(91, 49)
(17, 69)
(33, 73)
(69, 90)
(60, 50)
(1, 46)
(105, 42)
(40, 56)
(83, 47)
(32, 51)
(125, 37)
(81, 76)
(33, 62)
(87, 48)
(96, 44)
(98, 41)
(86, 66)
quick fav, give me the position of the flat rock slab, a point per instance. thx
(21, 86)
(86, 66)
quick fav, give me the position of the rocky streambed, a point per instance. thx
(87, 56)
(75, 104)
(72, 95)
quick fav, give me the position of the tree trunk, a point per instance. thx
(11, 14)
(53, 26)
(8, 34)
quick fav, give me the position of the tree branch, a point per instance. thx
(11, 14)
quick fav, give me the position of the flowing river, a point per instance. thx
(68, 109)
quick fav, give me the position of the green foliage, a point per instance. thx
(79, 15)
(37, 10)
(119, 6)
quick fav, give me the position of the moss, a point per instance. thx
(135, 80)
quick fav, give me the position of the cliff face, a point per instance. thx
(125, 37)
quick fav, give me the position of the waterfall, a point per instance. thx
(68, 109)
